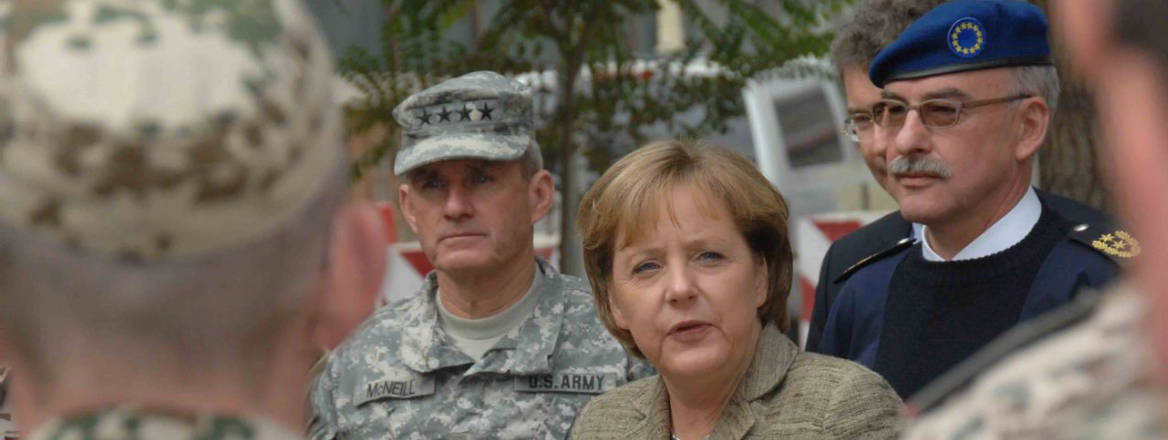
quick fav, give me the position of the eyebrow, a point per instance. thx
(694, 242)
(948, 92)
(481, 166)
(945, 93)
(633, 253)
(419, 174)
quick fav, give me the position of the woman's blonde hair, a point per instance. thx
(623, 203)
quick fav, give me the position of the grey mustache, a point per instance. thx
(919, 164)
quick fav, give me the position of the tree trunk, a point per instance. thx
(1068, 162)
(571, 254)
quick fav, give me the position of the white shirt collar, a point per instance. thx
(1006, 232)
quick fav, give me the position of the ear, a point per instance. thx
(1034, 120)
(356, 270)
(618, 317)
(761, 282)
(541, 193)
(22, 387)
(407, 209)
(24, 396)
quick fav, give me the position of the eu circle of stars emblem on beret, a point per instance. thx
(967, 37)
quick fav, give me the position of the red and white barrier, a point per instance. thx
(813, 235)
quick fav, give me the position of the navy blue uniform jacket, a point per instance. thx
(881, 237)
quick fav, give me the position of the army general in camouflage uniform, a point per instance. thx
(496, 344)
(172, 217)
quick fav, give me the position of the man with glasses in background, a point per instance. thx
(876, 24)
(968, 92)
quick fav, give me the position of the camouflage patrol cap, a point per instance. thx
(480, 115)
(150, 129)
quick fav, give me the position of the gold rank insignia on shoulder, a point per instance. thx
(1118, 244)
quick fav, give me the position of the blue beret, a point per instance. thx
(964, 35)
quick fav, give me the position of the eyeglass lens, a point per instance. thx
(934, 113)
(856, 123)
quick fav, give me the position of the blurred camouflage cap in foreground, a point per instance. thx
(480, 115)
(148, 129)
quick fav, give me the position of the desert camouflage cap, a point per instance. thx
(480, 115)
(148, 129)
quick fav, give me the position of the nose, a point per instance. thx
(458, 203)
(681, 290)
(875, 145)
(912, 137)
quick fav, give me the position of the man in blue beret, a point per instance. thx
(876, 25)
(968, 94)
(1100, 374)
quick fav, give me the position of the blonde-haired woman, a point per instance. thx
(687, 251)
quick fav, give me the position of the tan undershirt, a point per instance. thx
(476, 336)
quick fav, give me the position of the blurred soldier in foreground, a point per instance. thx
(496, 344)
(171, 211)
(1102, 375)
(876, 24)
(968, 91)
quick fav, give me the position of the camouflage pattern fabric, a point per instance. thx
(400, 377)
(129, 424)
(143, 129)
(480, 115)
(1091, 382)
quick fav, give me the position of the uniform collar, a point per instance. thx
(477, 336)
(131, 424)
(774, 354)
(1006, 232)
(426, 347)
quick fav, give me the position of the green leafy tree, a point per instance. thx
(600, 100)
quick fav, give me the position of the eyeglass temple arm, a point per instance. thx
(983, 102)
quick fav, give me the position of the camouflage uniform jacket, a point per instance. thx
(1088, 381)
(400, 376)
(128, 424)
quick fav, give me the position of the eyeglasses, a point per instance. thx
(891, 113)
(857, 123)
